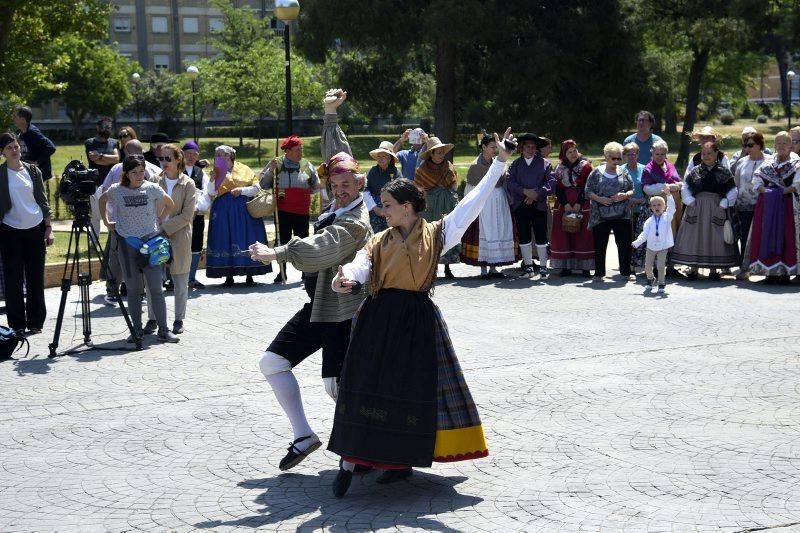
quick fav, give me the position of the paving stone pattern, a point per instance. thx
(604, 410)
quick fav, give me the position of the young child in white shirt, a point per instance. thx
(657, 232)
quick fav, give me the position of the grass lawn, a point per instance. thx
(465, 151)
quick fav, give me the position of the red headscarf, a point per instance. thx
(291, 141)
(565, 145)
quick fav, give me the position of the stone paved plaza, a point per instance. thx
(604, 409)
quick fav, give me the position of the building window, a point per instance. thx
(191, 25)
(216, 24)
(161, 61)
(159, 24)
(122, 24)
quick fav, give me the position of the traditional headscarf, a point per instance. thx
(341, 163)
(291, 141)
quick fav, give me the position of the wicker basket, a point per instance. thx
(571, 224)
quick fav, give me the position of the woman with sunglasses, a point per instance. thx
(610, 189)
(751, 159)
(125, 134)
(137, 207)
(24, 233)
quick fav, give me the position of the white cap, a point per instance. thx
(749, 129)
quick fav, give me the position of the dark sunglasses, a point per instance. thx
(166, 158)
(615, 158)
(749, 145)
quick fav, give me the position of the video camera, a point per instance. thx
(78, 183)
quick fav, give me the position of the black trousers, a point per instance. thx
(292, 224)
(745, 221)
(622, 236)
(23, 253)
(527, 217)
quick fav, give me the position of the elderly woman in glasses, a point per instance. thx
(610, 189)
(231, 228)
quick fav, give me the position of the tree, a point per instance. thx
(437, 27)
(158, 96)
(706, 28)
(90, 77)
(29, 36)
(246, 79)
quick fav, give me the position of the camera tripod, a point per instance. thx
(81, 225)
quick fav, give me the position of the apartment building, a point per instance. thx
(170, 34)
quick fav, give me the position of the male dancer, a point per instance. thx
(325, 321)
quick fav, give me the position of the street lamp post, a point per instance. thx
(193, 73)
(136, 78)
(286, 11)
(790, 76)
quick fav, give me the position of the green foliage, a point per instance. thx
(30, 35)
(90, 77)
(157, 96)
(247, 78)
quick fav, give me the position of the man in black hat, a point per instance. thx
(531, 180)
(157, 140)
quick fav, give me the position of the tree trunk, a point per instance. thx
(699, 63)
(444, 107)
(76, 116)
(783, 68)
(670, 115)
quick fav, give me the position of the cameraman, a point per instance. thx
(24, 232)
(102, 154)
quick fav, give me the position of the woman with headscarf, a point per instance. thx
(437, 177)
(774, 246)
(572, 250)
(707, 193)
(231, 229)
(378, 176)
(489, 242)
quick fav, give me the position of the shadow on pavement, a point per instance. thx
(285, 495)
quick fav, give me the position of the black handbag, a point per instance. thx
(10, 342)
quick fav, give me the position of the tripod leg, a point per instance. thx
(115, 290)
(66, 284)
(84, 280)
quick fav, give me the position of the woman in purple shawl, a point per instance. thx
(774, 243)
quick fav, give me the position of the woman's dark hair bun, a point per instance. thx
(406, 191)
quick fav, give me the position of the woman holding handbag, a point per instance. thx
(138, 206)
(707, 193)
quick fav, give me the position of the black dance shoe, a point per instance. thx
(342, 482)
(390, 476)
(296, 455)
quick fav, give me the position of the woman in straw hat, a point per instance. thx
(437, 177)
(489, 241)
(403, 400)
(702, 136)
(378, 176)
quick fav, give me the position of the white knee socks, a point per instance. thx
(287, 391)
(527, 253)
(541, 251)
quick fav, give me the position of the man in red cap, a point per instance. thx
(297, 180)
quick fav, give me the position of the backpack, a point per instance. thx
(10, 342)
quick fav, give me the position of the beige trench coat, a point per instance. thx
(178, 227)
